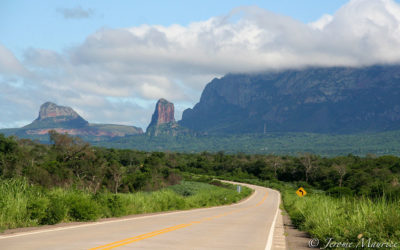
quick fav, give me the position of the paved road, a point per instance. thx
(246, 225)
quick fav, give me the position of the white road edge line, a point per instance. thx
(120, 220)
(271, 231)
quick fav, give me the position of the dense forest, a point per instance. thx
(329, 145)
(69, 161)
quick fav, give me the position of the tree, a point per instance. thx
(276, 163)
(117, 172)
(341, 169)
(95, 170)
(67, 146)
(9, 157)
(307, 160)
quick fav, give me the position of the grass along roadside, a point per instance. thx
(345, 219)
(348, 219)
(23, 205)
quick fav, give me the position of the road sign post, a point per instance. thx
(301, 192)
(239, 189)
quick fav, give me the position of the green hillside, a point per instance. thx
(385, 143)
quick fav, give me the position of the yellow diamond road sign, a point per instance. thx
(301, 192)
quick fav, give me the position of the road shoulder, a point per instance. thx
(279, 238)
(295, 239)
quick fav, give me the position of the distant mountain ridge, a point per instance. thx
(313, 104)
(65, 120)
(318, 100)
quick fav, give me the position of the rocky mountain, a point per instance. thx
(321, 100)
(66, 120)
(53, 116)
(164, 113)
(163, 120)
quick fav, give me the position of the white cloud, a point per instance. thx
(144, 63)
(321, 23)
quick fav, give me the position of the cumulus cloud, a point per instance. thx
(141, 64)
(321, 23)
(360, 33)
(75, 13)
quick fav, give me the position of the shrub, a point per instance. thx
(37, 208)
(114, 204)
(216, 183)
(83, 208)
(340, 192)
(56, 211)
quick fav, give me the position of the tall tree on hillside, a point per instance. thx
(94, 167)
(276, 162)
(9, 152)
(308, 161)
(341, 169)
(87, 164)
(67, 146)
(117, 172)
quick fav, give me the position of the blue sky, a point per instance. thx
(112, 60)
(40, 24)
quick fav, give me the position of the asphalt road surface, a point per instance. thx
(247, 225)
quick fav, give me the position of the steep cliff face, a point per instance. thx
(163, 120)
(164, 113)
(322, 100)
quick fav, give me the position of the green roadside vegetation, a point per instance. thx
(70, 180)
(348, 196)
(345, 219)
(24, 205)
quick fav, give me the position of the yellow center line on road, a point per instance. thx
(149, 235)
(262, 201)
(138, 237)
(169, 229)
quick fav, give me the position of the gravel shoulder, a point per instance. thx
(295, 239)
